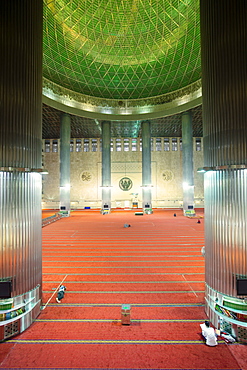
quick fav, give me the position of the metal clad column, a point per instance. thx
(224, 73)
(106, 165)
(65, 163)
(146, 166)
(188, 167)
(20, 150)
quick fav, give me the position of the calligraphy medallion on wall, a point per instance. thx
(125, 183)
(86, 176)
(168, 175)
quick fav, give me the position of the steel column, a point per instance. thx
(224, 81)
(20, 151)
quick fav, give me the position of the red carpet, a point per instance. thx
(155, 266)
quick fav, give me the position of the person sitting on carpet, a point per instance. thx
(60, 293)
(209, 334)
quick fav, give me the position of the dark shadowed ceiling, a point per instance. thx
(90, 128)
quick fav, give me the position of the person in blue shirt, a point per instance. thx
(60, 293)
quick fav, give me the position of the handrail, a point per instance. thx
(48, 220)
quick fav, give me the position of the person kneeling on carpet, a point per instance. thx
(209, 334)
(60, 293)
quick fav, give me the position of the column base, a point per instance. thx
(189, 212)
(148, 211)
(18, 313)
(64, 213)
(228, 314)
(105, 211)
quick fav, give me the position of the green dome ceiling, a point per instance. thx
(121, 49)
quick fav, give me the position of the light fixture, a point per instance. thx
(23, 169)
(6, 169)
(238, 166)
(42, 171)
(65, 187)
(187, 186)
(224, 167)
(204, 169)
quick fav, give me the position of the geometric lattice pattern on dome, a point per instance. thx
(121, 49)
(197, 124)
(167, 126)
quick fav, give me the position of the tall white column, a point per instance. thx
(188, 165)
(146, 167)
(106, 165)
(65, 124)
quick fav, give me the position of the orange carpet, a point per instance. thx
(48, 213)
(155, 266)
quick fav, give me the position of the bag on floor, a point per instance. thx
(227, 337)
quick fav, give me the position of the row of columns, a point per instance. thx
(188, 168)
